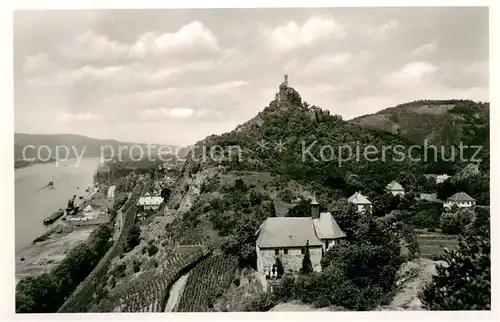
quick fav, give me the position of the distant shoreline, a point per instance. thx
(18, 164)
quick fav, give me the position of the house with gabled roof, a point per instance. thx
(361, 202)
(150, 203)
(395, 188)
(286, 238)
(461, 200)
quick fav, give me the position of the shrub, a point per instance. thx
(449, 224)
(133, 238)
(240, 185)
(465, 284)
(137, 266)
(152, 249)
(286, 195)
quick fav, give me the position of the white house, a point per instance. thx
(111, 192)
(287, 237)
(440, 178)
(461, 200)
(88, 209)
(395, 188)
(361, 202)
(150, 203)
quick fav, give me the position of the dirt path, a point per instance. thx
(175, 293)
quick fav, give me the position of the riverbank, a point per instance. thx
(35, 200)
(49, 249)
(18, 164)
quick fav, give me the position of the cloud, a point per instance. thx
(90, 46)
(162, 113)
(193, 38)
(327, 62)
(124, 76)
(425, 49)
(291, 65)
(70, 77)
(78, 117)
(411, 74)
(180, 112)
(292, 35)
(38, 64)
(382, 32)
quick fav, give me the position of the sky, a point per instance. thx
(176, 76)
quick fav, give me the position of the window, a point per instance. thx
(276, 252)
(303, 251)
(327, 244)
(285, 251)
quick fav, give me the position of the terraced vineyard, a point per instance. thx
(207, 283)
(432, 245)
(149, 292)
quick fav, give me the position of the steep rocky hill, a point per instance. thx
(305, 143)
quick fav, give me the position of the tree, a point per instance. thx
(165, 193)
(346, 216)
(133, 238)
(279, 267)
(302, 209)
(481, 224)
(306, 262)
(465, 283)
(449, 224)
(240, 185)
(37, 295)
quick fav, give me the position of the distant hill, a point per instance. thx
(89, 146)
(442, 122)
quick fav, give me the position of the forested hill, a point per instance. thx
(443, 122)
(314, 148)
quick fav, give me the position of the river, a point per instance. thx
(35, 201)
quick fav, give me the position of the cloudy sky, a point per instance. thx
(176, 76)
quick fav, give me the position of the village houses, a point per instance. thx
(395, 188)
(459, 199)
(286, 238)
(361, 202)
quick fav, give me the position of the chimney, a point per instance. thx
(314, 208)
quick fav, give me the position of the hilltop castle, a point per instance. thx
(281, 94)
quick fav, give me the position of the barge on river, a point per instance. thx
(56, 215)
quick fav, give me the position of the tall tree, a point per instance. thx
(306, 262)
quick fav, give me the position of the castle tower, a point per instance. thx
(283, 87)
(314, 209)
